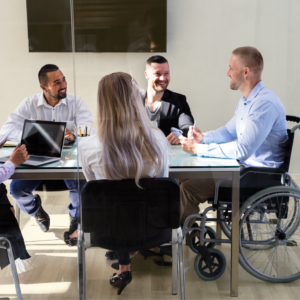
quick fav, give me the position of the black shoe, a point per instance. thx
(70, 241)
(41, 217)
(121, 280)
(73, 226)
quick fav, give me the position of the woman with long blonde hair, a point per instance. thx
(126, 146)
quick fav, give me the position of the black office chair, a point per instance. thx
(115, 212)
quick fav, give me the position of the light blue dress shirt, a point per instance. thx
(256, 133)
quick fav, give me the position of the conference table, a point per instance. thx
(181, 165)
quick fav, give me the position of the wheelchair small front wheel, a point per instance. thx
(210, 271)
(194, 239)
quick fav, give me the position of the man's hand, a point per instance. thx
(173, 139)
(13, 210)
(2, 145)
(69, 135)
(195, 134)
(189, 146)
(19, 155)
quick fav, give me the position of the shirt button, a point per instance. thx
(241, 118)
(240, 134)
(245, 103)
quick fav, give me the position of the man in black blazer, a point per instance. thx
(164, 107)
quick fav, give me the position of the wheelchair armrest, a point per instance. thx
(261, 170)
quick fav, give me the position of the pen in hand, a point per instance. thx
(193, 129)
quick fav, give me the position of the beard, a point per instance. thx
(157, 88)
(59, 95)
(234, 85)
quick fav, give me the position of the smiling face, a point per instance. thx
(158, 76)
(56, 87)
(235, 72)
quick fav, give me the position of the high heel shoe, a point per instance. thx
(120, 280)
(70, 241)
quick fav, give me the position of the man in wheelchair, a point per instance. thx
(255, 135)
(269, 215)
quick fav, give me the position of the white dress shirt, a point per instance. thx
(90, 154)
(35, 107)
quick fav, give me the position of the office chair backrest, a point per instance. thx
(289, 144)
(122, 211)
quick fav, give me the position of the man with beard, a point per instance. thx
(164, 107)
(255, 135)
(52, 104)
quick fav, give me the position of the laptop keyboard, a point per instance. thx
(34, 158)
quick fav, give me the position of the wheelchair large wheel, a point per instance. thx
(226, 226)
(194, 239)
(212, 271)
(270, 235)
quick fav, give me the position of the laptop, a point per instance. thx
(44, 141)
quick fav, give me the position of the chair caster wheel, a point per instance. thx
(210, 270)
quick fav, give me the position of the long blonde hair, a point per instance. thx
(125, 129)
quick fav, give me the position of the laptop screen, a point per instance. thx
(43, 138)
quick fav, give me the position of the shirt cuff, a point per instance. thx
(202, 150)
(10, 165)
(207, 139)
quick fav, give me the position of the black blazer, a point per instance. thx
(175, 112)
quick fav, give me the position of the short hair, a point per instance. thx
(251, 57)
(156, 59)
(43, 78)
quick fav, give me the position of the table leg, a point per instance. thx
(235, 234)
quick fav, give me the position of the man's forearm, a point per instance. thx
(219, 136)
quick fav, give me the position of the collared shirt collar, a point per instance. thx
(255, 91)
(42, 101)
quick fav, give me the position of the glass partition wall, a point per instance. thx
(39, 110)
(88, 40)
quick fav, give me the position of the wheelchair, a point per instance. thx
(269, 231)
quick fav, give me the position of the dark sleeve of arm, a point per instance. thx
(3, 196)
(185, 118)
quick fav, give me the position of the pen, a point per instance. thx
(80, 134)
(85, 131)
(90, 129)
(193, 128)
